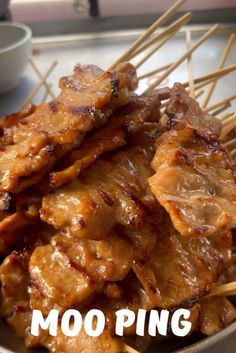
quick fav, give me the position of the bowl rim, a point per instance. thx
(25, 38)
(208, 342)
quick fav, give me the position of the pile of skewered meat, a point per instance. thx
(104, 206)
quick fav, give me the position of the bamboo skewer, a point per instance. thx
(153, 72)
(206, 79)
(227, 119)
(183, 57)
(229, 127)
(222, 62)
(153, 51)
(47, 86)
(228, 289)
(38, 86)
(160, 21)
(224, 101)
(166, 34)
(229, 145)
(128, 349)
(224, 117)
(45, 96)
(179, 23)
(221, 109)
(190, 64)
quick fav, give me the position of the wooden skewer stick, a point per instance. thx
(47, 86)
(225, 116)
(233, 154)
(128, 349)
(228, 289)
(222, 62)
(218, 104)
(230, 144)
(181, 21)
(228, 118)
(226, 129)
(153, 72)
(206, 79)
(221, 109)
(159, 22)
(201, 81)
(173, 28)
(199, 93)
(190, 64)
(183, 57)
(38, 86)
(45, 96)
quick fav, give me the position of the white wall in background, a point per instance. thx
(44, 10)
(128, 7)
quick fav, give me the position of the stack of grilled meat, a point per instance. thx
(104, 206)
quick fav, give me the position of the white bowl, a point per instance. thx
(15, 49)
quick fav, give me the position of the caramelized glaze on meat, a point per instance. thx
(87, 100)
(184, 110)
(194, 177)
(163, 261)
(105, 239)
(127, 121)
(112, 190)
(69, 272)
(178, 271)
(14, 304)
(215, 314)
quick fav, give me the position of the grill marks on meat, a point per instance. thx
(116, 246)
(27, 155)
(178, 272)
(14, 305)
(194, 178)
(126, 122)
(215, 314)
(17, 213)
(164, 262)
(69, 272)
(113, 190)
(184, 110)
(89, 208)
(37, 141)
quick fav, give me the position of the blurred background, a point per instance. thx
(67, 32)
(48, 17)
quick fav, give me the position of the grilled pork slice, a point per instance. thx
(180, 270)
(14, 303)
(87, 100)
(69, 272)
(185, 111)
(126, 122)
(215, 314)
(194, 178)
(113, 190)
(17, 212)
